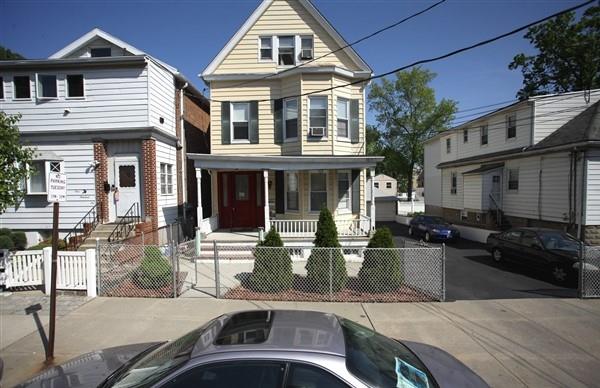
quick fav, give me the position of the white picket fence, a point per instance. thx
(74, 270)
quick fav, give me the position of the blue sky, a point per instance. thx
(189, 33)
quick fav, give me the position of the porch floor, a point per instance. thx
(233, 235)
(250, 236)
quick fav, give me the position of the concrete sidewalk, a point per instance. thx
(510, 343)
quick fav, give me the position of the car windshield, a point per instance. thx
(156, 364)
(380, 361)
(434, 220)
(560, 241)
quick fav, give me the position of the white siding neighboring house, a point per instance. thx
(105, 114)
(532, 163)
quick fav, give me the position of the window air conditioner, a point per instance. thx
(306, 54)
(317, 131)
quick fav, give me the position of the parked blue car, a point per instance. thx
(432, 228)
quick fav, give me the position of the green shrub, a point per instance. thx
(5, 232)
(325, 266)
(273, 267)
(6, 243)
(19, 239)
(382, 269)
(154, 270)
(48, 243)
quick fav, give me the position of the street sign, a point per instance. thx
(57, 187)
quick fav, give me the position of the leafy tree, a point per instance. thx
(408, 115)
(7, 55)
(273, 265)
(326, 267)
(568, 57)
(13, 161)
(382, 269)
(394, 163)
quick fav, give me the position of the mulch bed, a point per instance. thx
(352, 293)
(130, 289)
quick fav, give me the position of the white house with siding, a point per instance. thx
(533, 163)
(114, 120)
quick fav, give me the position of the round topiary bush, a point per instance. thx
(326, 268)
(272, 270)
(382, 268)
(6, 243)
(154, 270)
(19, 239)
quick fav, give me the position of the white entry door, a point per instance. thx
(127, 182)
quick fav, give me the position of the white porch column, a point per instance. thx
(372, 176)
(199, 188)
(266, 199)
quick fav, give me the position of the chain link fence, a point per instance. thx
(589, 277)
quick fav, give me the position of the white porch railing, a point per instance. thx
(307, 228)
(74, 270)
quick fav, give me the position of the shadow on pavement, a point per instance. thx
(33, 310)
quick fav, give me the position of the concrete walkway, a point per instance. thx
(510, 343)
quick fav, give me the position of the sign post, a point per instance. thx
(57, 192)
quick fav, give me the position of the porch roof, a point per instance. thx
(484, 168)
(279, 162)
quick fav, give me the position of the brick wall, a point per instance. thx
(101, 176)
(591, 234)
(150, 185)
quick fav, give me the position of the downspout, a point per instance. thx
(183, 151)
(580, 233)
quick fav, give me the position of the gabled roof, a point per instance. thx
(383, 176)
(583, 127)
(258, 12)
(88, 38)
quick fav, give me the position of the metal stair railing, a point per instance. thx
(126, 223)
(83, 228)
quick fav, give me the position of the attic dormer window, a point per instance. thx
(100, 52)
(287, 50)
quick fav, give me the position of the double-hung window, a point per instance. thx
(75, 86)
(290, 118)
(448, 145)
(342, 118)
(21, 87)
(266, 48)
(343, 181)
(513, 179)
(287, 50)
(318, 115)
(318, 191)
(465, 135)
(511, 126)
(166, 178)
(240, 112)
(291, 191)
(453, 183)
(306, 48)
(484, 134)
(37, 183)
(46, 86)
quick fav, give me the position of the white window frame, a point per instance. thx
(453, 183)
(47, 170)
(286, 177)
(272, 59)
(285, 136)
(299, 50)
(14, 88)
(348, 207)
(295, 40)
(310, 189)
(347, 119)
(508, 118)
(318, 97)
(508, 178)
(67, 96)
(448, 145)
(487, 135)
(37, 86)
(166, 172)
(231, 133)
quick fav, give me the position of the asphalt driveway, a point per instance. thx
(471, 274)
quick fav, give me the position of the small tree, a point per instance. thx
(273, 265)
(326, 267)
(382, 269)
(154, 270)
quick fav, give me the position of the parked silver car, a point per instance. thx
(268, 349)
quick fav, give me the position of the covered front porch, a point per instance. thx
(286, 193)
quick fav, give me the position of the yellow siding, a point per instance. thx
(282, 17)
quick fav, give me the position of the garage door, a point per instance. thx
(385, 211)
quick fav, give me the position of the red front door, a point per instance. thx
(240, 199)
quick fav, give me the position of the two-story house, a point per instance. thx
(532, 163)
(287, 125)
(117, 122)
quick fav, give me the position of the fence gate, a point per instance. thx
(589, 277)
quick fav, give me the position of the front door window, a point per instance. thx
(126, 176)
(241, 188)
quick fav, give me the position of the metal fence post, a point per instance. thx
(217, 276)
(443, 273)
(98, 271)
(581, 286)
(330, 274)
(174, 268)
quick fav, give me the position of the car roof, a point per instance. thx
(537, 230)
(287, 330)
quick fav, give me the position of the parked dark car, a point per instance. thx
(268, 349)
(432, 228)
(550, 250)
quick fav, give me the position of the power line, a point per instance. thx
(347, 45)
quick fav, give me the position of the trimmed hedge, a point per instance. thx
(272, 270)
(381, 270)
(6, 243)
(18, 239)
(326, 267)
(48, 243)
(154, 270)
